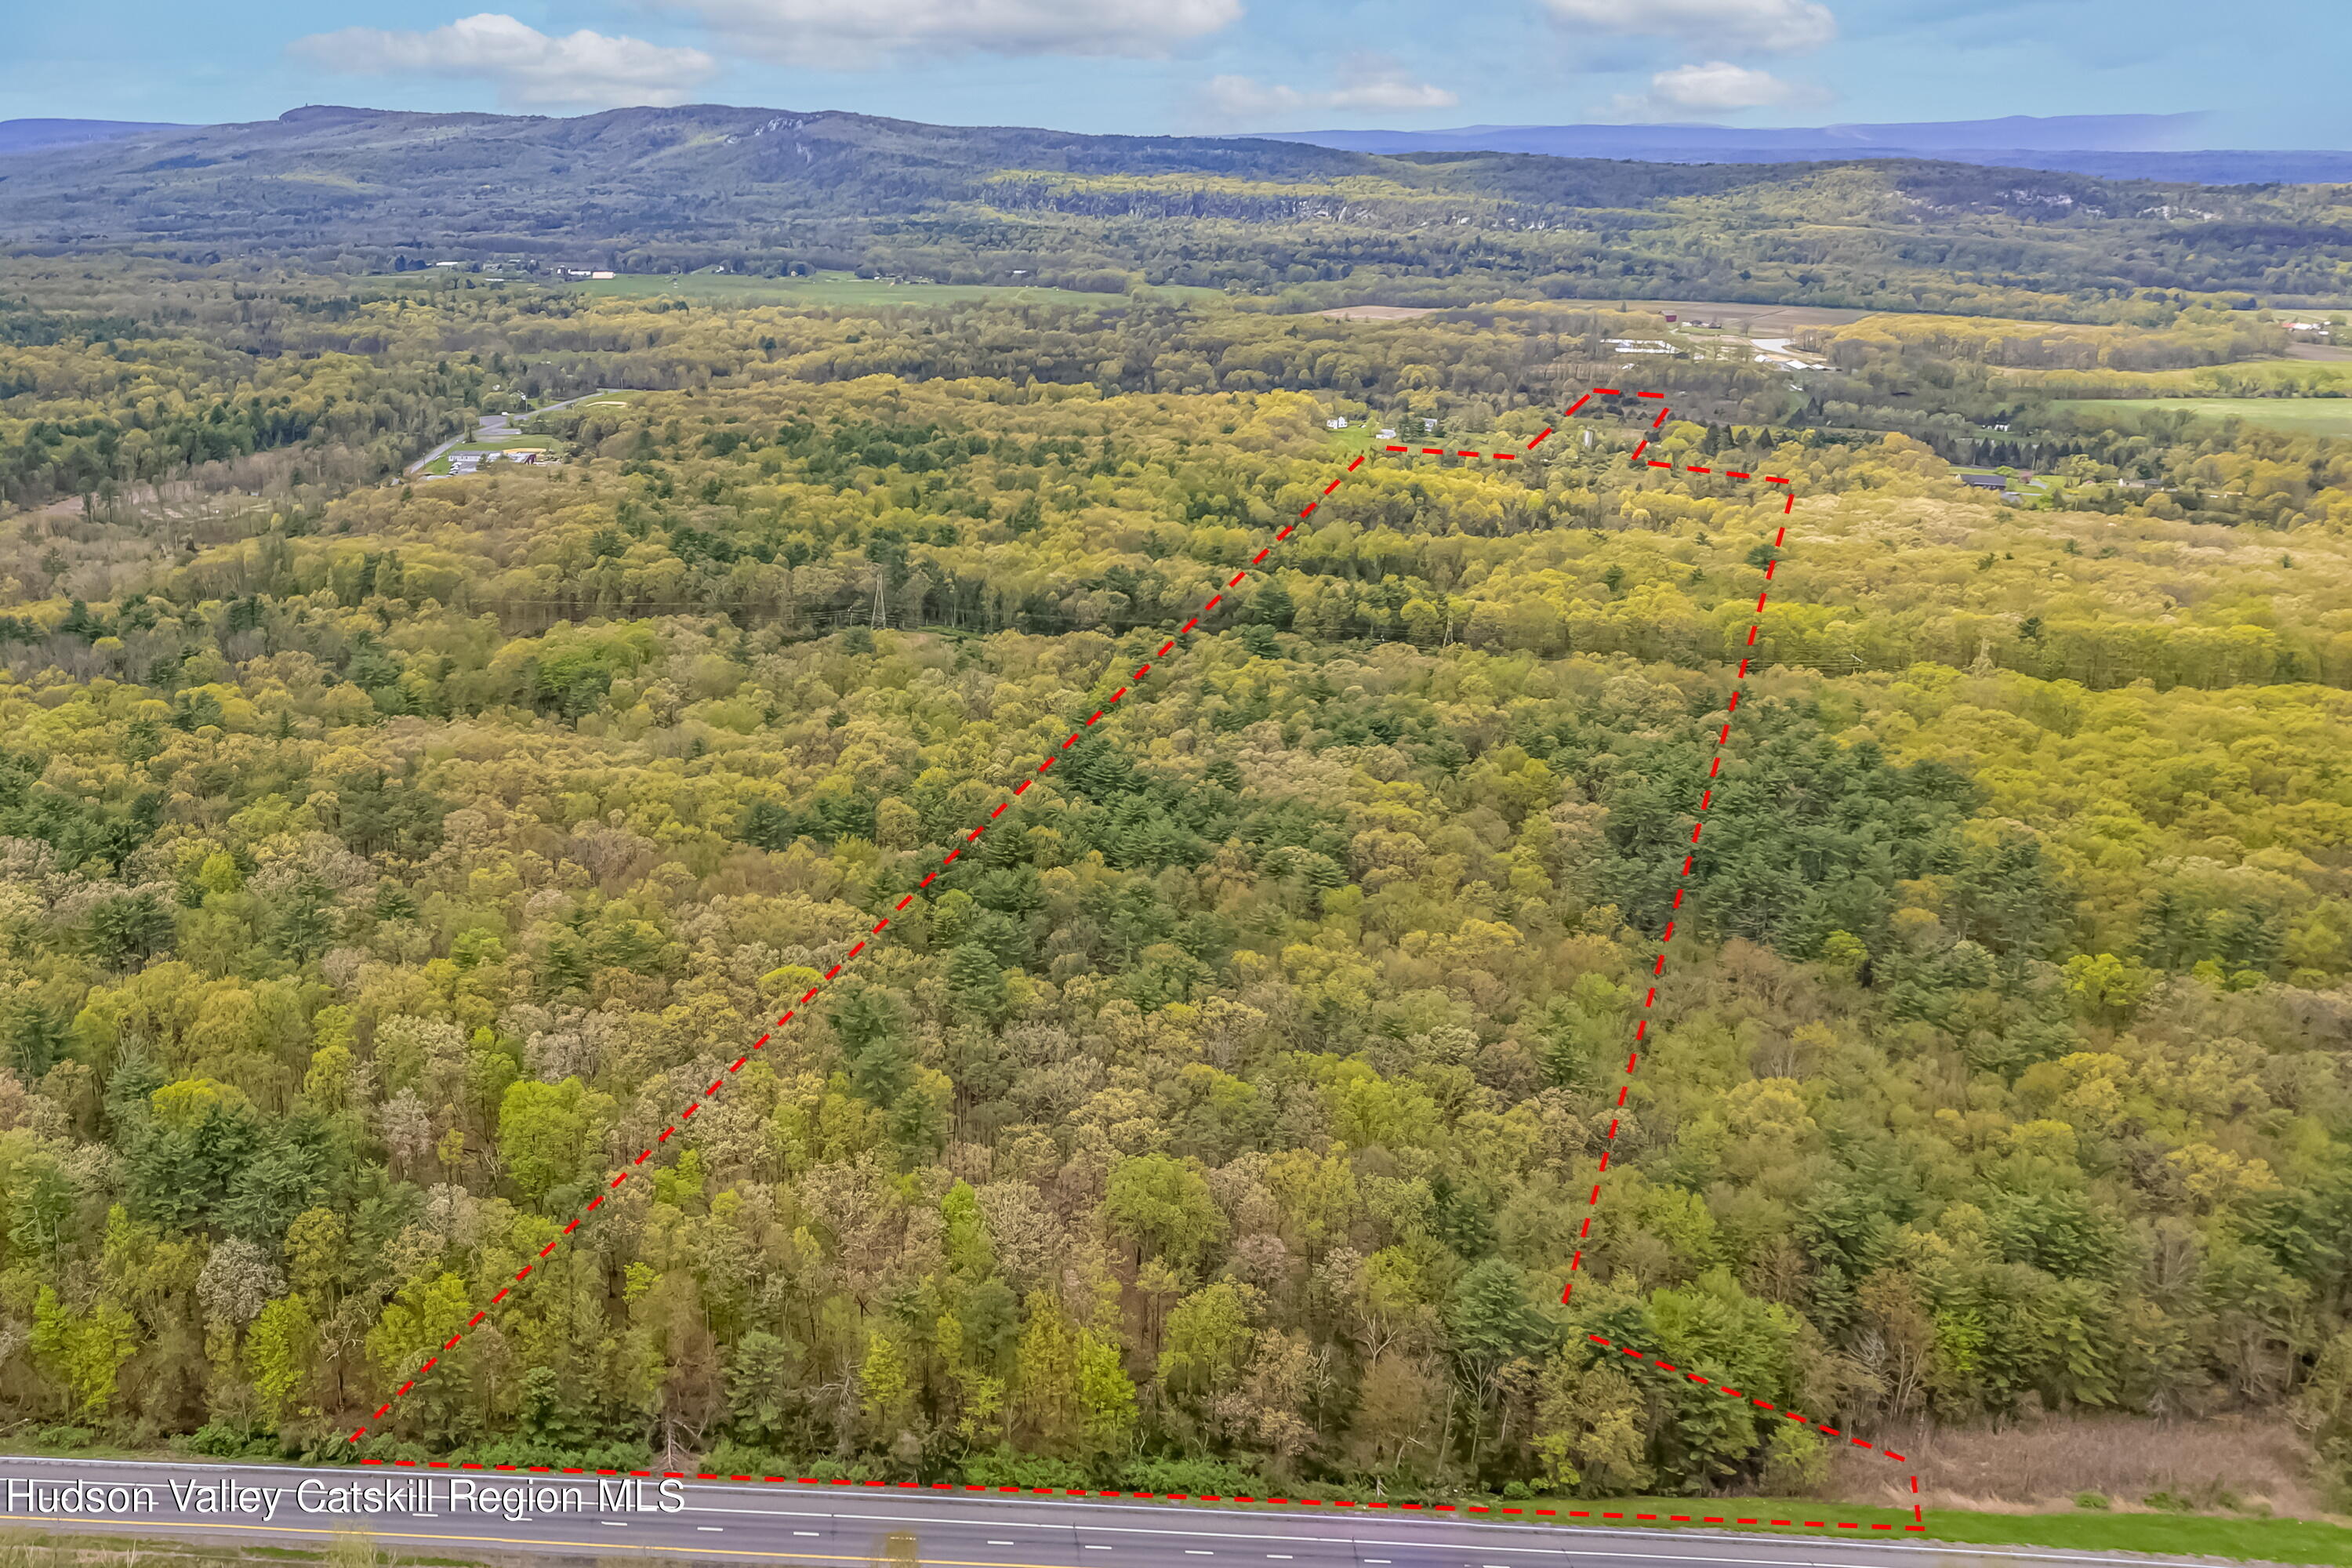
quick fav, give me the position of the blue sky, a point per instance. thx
(1206, 64)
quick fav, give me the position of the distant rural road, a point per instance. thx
(827, 1525)
(493, 426)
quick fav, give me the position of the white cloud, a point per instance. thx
(866, 34)
(1364, 82)
(531, 68)
(1719, 87)
(1782, 24)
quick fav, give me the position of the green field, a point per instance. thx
(2296, 416)
(2084, 1530)
(844, 289)
(822, 290)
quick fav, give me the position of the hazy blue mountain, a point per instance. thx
(2015, 132)
(2220, 166)
(659, 190)
(2111, 146)
(37, 135)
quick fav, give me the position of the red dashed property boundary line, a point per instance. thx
(1690, 857)
(1918, 1518)
(1665, 1365)
(949, 859)
(1165, 648)
(1658, 970)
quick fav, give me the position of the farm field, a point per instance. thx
(843, 288)
(2295, 415)
(820, 290)
(1757, 317)
(2246, 378)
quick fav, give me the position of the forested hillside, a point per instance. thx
(373, 887)
(652, 190)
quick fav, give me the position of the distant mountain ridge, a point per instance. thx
(2014, 132)
(348, 190)
(2109, 146)
(2106, 146)
(39, 135)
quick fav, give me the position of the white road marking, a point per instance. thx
(821, 1532)
(611, 1524)
(1610, 1555)
(1005, 1543)
(714, 1528)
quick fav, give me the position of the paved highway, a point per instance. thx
(500, 1514)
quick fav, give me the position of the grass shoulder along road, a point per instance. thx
(2245, 1537)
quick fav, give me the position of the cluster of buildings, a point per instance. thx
(2012, 486)
(1337, 423)
(471, 462)
(518, 266)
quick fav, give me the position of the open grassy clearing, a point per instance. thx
(2296, 416)
(2202, 1535)
(820, 289)
(555, 449)
(844, 289)
(2079, 1530)
(2253, 377)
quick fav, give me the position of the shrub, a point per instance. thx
(1004, 1468)
(734, 1458)
(523, 1453)
(221, 1440)
(1796, 1462)
(1193, 1477)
